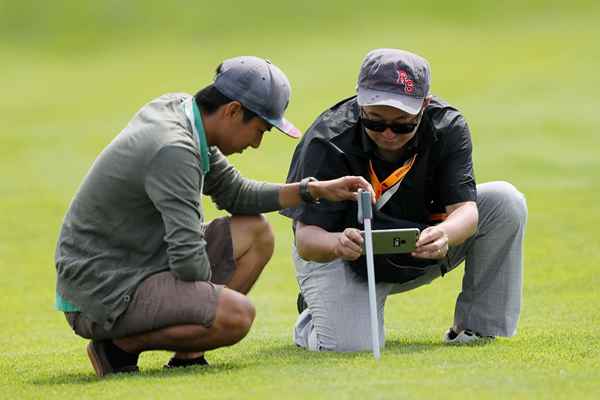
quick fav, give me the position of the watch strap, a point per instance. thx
(305, 193)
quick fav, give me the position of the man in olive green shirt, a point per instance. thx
(137, 267)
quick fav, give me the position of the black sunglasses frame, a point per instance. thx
(380, 126)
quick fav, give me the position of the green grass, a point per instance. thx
(525, 75)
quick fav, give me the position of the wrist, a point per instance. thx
(309, 190)
(444, 231)
(314, 188)
(334, 244)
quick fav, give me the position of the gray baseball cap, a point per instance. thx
(394, 78)
(259, 86)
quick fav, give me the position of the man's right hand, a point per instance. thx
(349, 245)
(340, 189)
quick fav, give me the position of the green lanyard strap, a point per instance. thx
(198, 128)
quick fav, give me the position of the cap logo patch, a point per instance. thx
(404, 80)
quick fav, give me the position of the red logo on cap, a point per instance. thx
(403, 79)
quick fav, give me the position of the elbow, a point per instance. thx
(313, 247)
(302, 242)
(309, 254)
(224, 204)
(474, 221)
(301, 246)
(304, 252)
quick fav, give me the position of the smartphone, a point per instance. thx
(394, 241)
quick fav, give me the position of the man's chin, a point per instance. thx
(389, 146)
(230, 151)
(392, 146)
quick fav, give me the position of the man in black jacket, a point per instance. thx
(416, 151)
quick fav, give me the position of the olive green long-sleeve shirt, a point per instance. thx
(138, 211)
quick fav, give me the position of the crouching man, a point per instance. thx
(138, 268)
(415, 149)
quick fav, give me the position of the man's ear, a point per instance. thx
(231, 109)
(426, 101)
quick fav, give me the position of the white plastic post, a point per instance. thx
(365, 213)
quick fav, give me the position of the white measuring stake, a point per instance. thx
(365, 213)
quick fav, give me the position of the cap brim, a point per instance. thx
(411, 105)
(285, 126)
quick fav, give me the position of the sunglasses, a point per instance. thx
(380, 126)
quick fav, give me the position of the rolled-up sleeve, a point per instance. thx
(173, 182)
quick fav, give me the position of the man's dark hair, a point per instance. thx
(210, 99)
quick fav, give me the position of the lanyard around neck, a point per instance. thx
(384, 190)
(195, 117)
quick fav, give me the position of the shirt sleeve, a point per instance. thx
(236, 194)
(173, 184)
(455, 173)
(323, 161)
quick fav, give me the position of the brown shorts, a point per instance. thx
(162, 300)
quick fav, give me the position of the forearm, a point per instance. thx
(246, 196)
(461, 223)
(190, 266)
(186, 247)
(232, 192)
(172, 183)
(340, 189)
(316, 244)
(289, 194)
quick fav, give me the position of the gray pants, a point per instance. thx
(337, 317)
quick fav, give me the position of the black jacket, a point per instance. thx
(336, 145)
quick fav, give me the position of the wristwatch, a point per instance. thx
(305, 193)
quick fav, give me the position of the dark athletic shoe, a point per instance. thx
(300, 303)
(183, 362)
(466, 336)
(97, 352)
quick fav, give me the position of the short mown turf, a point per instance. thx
(525, 76)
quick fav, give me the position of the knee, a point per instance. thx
(235, 315)
(255, 233)
(342, 343)
(506, 200)
(335, 333)
(262, 234)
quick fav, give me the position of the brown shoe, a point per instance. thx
(98, 355)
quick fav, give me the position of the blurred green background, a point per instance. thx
(525, 75)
